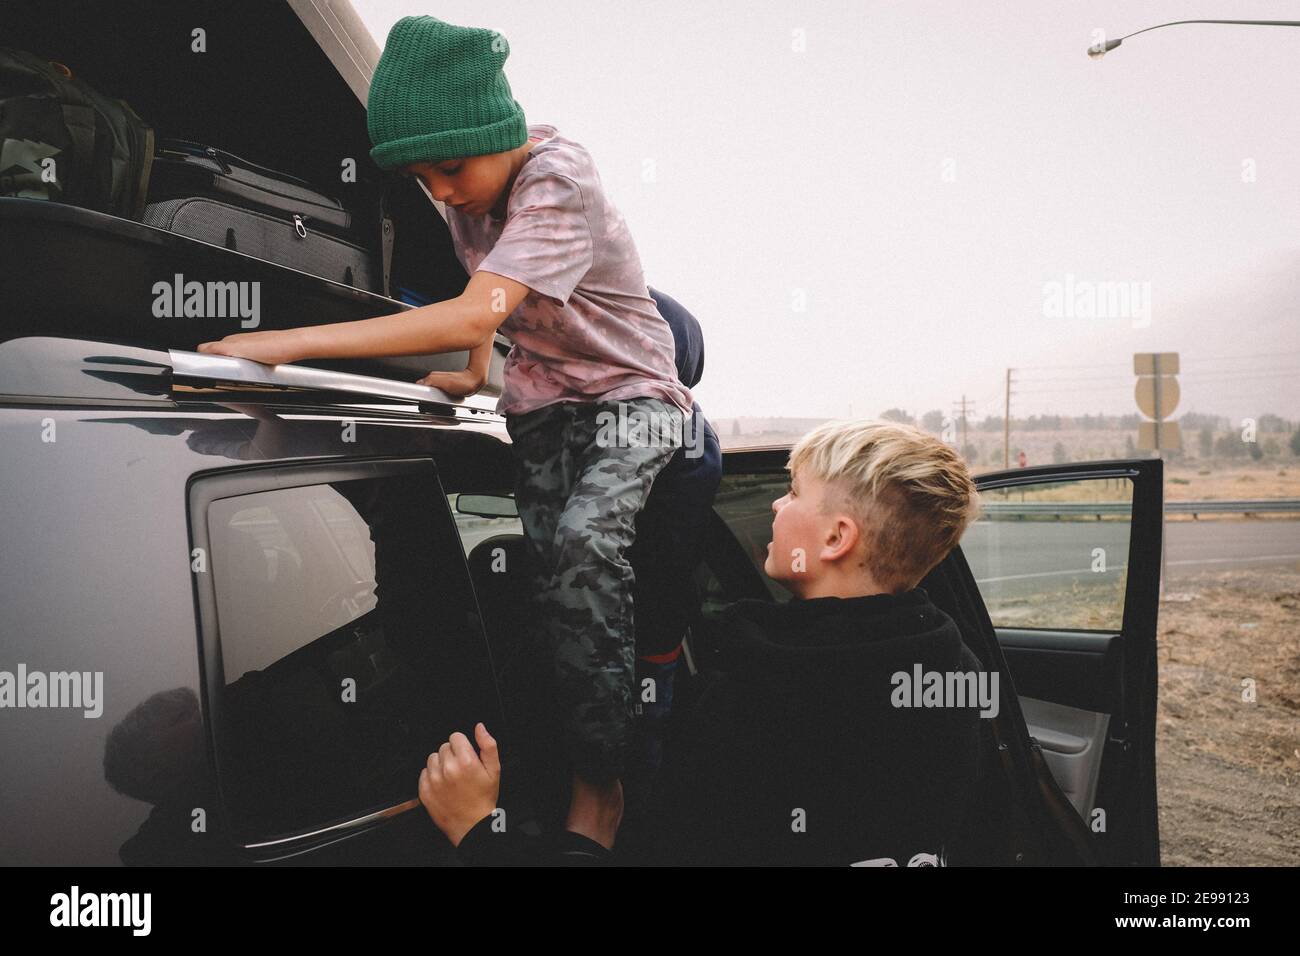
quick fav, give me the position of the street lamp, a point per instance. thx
(1098, 50)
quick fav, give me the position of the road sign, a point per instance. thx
(1157, 395)
(1168, 439)
(1144, 363)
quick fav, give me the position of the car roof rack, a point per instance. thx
(52, 369)
(194, 367)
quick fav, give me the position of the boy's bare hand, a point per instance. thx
(459, 787)
(273, 347)
(457, 384)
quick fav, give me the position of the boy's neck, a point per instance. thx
(839, 586)
(498, 210)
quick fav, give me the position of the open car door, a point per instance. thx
(1056, 586)
(1067, 561)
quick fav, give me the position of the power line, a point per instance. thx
(1192, 361)
(1233, 358)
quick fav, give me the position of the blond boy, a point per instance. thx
(803, 751)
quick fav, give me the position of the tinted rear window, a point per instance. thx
(350, 648)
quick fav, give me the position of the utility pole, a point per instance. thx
(962, 408)
(1006, 426)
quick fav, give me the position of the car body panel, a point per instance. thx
(96, 574)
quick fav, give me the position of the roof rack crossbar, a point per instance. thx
(199, 365)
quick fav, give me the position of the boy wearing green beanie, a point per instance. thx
(552, 264)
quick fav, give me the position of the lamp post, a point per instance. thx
(1098, 50)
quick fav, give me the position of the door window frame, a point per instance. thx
(202, 490)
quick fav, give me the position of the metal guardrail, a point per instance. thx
(1098, 508)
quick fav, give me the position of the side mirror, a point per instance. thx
(487, 506)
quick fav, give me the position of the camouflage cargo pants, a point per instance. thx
(582, 481)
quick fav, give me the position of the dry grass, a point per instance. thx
(1229, 768)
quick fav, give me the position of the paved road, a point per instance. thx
(1023, 558)
(1020, 559)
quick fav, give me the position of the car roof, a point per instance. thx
(79, 370)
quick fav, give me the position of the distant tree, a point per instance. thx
(971, 454)
(1194, 420)
(1228, 445)
(1129, 421)
(932, 421)
(1042, 423)
(1059, 455)
(1256, 453)
(897, 415)
(1271, 447)
(1206, 441)
(991, 423)
(1295, 442)
(1130, 447)
(1273, 423)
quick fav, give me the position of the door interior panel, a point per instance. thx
(1072, 742)
(1078, 669)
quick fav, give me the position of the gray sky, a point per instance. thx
(926, 178)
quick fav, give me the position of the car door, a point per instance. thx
(341, 644)
(1066, 560)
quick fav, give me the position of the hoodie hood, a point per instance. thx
(688, 338)
(841, 644)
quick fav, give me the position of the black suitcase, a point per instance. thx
(63, 141)
(213, 196)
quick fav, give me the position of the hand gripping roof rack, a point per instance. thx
(49, 369)
(201, 367)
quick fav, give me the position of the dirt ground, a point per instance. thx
(1228, 770)
(1206, 481)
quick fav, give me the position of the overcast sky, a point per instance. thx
(889, 203)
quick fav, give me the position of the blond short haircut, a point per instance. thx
(911, 495)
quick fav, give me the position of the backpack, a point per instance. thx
(62, 141)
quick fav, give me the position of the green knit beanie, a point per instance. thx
(438, 93)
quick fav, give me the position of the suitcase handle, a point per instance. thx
(223, 157)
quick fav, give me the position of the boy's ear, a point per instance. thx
(842, 539)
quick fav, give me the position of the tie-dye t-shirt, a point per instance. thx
(589, 330)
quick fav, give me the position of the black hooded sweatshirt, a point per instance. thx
(793, 753)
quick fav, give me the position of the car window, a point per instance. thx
(744, 502)
(350, 648)
(1053, 554)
